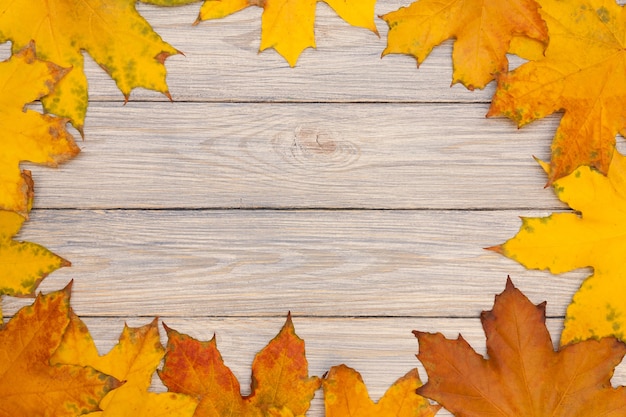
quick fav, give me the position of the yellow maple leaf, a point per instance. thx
(23, 264)
(594, 236)
(133, 360)
(281, 386)
(483, 30)
(345, 394)
(29, 385)
(288, 25)
(26, 134)
(111, 31)
(582, 74)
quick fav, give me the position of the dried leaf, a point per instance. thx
(28, 135)
(29, 385)
(288, 25)
(23, 265)
(133, 360)
(592, 237)
(589, 86)
(345, 395)
(111, 31)
(280, 382)
(523, 375)
(482, 29)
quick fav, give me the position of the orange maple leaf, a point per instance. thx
(483, 30)
(29, 385)
(582, 73)
(280, 382)
(288, 25)
(523, 375)
(111, 31)
(345, 394)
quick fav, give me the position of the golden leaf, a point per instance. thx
(288, 25)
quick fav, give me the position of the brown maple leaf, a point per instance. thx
(581, 73)
(523, 375)
(280, 382)
(482, 29)
(29, 385)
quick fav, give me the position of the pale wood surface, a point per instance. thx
(355, 191)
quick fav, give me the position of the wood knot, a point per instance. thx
(314, 146)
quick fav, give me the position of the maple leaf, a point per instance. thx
(29, 385)
(28, 135)
(288, 25)
(523, 375)
(280, 382)
(111, 31)
(483, 30)
(23, 264)
(345, 394)
(594, 236)
(133, 360)
(588, 86)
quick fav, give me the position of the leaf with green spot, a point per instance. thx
(593, 236)
(111, 31)
(23, 265)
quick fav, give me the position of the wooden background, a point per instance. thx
(354, 191)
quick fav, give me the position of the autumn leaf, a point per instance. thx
(23, 264)
(29, 385)
(523, 375)
(26, 134)
(280, 382)
(482, 29)
(345, 395)
(593, 236)
(288, 25)
(111, 31)
(133, 360)
(169, 3)
(589, 87)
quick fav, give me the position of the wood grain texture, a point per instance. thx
(246, 263)
(300, 155)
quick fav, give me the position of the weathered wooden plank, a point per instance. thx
(381, 349)
(193, 155)
(263, 262)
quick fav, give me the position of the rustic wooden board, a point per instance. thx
(355, 191)
(246, 155)
(417, 263)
